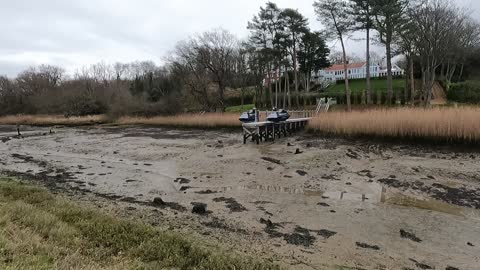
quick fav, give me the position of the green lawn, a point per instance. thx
(238, 108)
(41, 231)
(357, 86)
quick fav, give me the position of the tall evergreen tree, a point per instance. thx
(389, 17)
(296, 25)
(265, 28)
(335, 15)
(363, 15)
(312, 56)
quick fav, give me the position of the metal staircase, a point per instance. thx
(322, 106)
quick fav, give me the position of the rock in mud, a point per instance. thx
(297, 151)
(269, 224)
(421, 265)
(184, 188)
(131, 181)
(470, 244)
(208, 191)
(301, 173)
(199, 208)
(367, 246)
(323, 204)
(276, 161)
(408, 235)
(326, 233)
(352, 154)
(451, 268)
(158, 201)
(182, 180)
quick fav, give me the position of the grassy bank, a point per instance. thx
(357, 86)
(49, 120)
(439, 124)
(39, 231)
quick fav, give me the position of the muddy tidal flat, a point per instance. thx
(305, 202)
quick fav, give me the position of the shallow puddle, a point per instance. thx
(432, 205)
(371, 192)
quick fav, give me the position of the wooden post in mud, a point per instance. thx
(18, 130)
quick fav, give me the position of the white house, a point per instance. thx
(355, 71)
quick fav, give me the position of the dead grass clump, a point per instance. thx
(448, 124)
(208, 120)
(48, 120)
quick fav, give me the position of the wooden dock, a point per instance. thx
(268, 131)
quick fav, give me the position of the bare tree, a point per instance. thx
(435, 21)
(335, 16)
(217, 51)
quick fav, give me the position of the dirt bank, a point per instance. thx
(334, 203)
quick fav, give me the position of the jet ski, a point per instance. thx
(248, 117)
(278, 116)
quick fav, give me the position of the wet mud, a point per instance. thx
(335, 203)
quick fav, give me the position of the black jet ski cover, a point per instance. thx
(248, 117)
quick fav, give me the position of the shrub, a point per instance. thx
(465, 92)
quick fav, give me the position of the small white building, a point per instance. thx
(355, 71)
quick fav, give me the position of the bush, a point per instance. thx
(465, 92)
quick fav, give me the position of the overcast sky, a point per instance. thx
(73, 34)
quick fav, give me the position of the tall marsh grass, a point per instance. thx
(446, 124)
(208, 120)
(48, 120)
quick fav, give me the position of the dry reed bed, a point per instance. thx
(47, 120)
(450, 124)
(208, 120)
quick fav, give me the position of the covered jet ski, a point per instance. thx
(248, 117)
(278, 116)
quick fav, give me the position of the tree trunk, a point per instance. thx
(461, 72)
(345, 69)
(242, 97)
(405, 92)
(270, 87)
(288, 92)
(295, 75)
(389, 71)
(412, 82)
(221, 93)
(285, 91)
(442, 72)
(276, 88)
(369, 84)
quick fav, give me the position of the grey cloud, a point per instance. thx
(76, 33)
